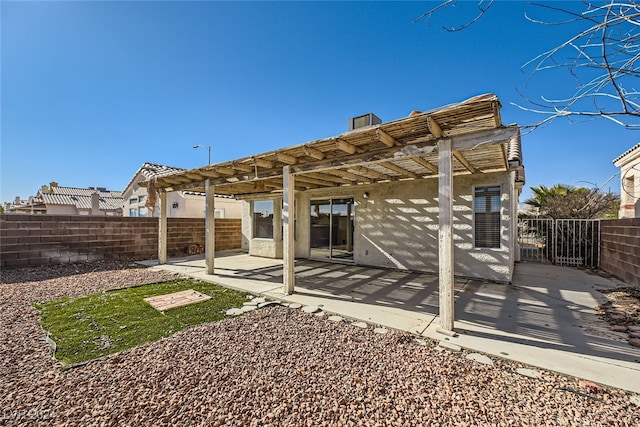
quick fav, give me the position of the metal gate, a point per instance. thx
(574, 242)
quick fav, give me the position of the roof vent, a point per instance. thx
(364, 121)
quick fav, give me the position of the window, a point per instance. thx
(142, 198)
(486, 210)
(133, 200)
(133, 212)
(263, 219)
(142, 211)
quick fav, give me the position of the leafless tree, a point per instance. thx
(602, 57)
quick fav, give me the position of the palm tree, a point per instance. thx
(565, 201)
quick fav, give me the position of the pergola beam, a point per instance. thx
(286, 158)
(224, 170)
(398, 169)
(262, 163)
(385, 138)
(422, 162)
(371, 172)
(346, 147)
(434, 127)
(468, 166)
(242, 167)
(313, 153)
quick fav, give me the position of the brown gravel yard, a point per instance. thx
(273, 366)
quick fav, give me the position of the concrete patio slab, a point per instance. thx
(546, 318)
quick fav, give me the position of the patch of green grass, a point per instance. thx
(92, 326)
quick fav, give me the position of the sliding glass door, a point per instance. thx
(331, 234)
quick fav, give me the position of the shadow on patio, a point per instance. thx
(546, 318)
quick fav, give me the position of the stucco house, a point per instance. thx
(180, 204)
(436, 191)
(629, 164)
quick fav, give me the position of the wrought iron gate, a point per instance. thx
(573, 242)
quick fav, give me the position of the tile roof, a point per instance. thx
(153, 170)
(81, 197)
(629, 151)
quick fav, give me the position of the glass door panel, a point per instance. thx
(320, 243)
(342, 228)
(332, 228)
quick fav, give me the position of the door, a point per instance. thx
(331, 234)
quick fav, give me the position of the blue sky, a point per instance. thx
(91, 90)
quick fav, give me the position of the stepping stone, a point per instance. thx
(249, 303)
(634, 334)
(480, 358)
(268, 303)
(634, 328)
(420, 342)
(234, 312)
(381, 331)
(319, 314)
(248, 308)
(635, 399)
(361, 325)
(336, 318)
(619, 328)
(295, 305)
(526, 372)
(258, 300)
(635, 342)
(310, 309)
(449, 346)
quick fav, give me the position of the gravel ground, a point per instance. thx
(273, 366)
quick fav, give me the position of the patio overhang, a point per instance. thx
(403, 149)
(460, 139)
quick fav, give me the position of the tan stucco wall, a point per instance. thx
(62, 210)
(397, 226)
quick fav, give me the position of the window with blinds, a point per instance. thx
(486, 210)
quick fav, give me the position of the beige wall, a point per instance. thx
(397, 226)
(62, 210)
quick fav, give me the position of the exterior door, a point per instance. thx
(331, 234)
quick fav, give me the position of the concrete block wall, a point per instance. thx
(620, 249)
(29, 240)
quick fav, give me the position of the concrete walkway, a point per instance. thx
(546, 318)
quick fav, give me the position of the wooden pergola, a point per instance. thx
(464, 138)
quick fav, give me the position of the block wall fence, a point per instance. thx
(30, 240)
(620, 249)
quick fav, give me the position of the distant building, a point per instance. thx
(180, 204)
(629, 164)
(57, 200)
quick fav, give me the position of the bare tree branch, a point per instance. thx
(603, 58)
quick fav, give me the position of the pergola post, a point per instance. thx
(288, 242)
(445, 234)
(210, 225)
(162, 228)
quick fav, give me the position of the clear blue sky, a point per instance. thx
(91, 90)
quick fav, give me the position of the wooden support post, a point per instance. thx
(445, 234)
(288, 242)
(162, 228)
(210, 224)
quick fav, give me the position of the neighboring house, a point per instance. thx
(31, 206)
(629, 164)
(56, 200)
(436, 191)
(180, 204)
